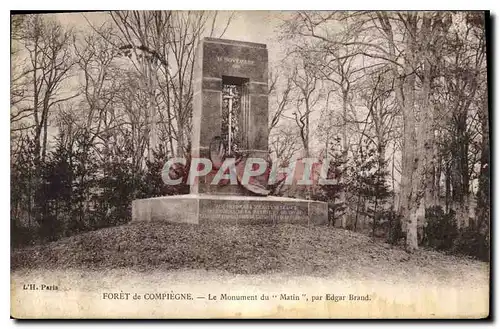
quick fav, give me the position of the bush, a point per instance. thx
(440, 231)
(472, 242)
(393, 222)
(21, 236)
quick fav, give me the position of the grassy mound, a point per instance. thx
(251, 249)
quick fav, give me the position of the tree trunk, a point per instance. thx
(483, 193)
(426, 135)
(411, 158)
(342, 197)
(447, 198)
(180, 139)
(375, 217)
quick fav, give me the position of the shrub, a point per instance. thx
(440, 231)
(472, 242)
(393, 222)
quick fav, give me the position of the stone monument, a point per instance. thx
(230, 120)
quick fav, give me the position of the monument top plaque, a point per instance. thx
(223, 57)
(230, 106)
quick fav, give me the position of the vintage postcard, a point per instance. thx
(250, 164)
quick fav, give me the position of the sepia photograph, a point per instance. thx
(250, 164)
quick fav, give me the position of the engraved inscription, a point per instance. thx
(233, 60)
(254, 212)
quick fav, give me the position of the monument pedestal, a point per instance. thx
(239, 210)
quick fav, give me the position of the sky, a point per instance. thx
(251, 26)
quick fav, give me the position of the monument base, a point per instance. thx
(240, 210)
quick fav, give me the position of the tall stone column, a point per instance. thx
(221, 62)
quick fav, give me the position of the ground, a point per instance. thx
(156, 256)
(253, 249)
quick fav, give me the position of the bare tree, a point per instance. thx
(163, 45)
(97, 60)
(284, 145)
(48, 46)
(280, 95)
(410, 45)
(306, 98)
